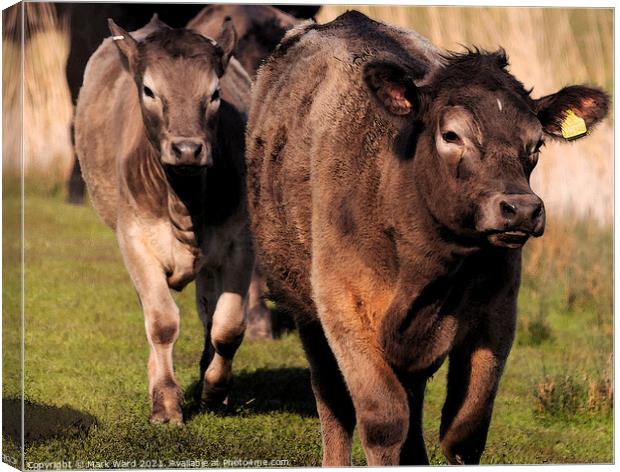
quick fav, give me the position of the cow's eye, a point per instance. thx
(216, 95)
(539, 145)
(148, 92)
(451, 137)
(536, 152)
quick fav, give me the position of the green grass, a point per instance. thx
(85, 375)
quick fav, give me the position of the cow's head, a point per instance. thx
(478, 135)
(177, 74)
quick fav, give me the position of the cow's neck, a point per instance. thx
(426, 250)
(429, 258)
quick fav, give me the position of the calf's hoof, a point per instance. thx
(162, 417)
(215, 395)
(166, 406)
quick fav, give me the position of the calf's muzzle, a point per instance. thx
(189, 152)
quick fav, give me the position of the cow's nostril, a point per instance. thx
(198, 151)
(176, 150)
(508, 209)
(537, 211)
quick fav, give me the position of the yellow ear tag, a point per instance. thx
(573, 127)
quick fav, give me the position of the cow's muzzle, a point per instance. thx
(509, 220)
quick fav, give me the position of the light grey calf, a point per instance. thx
(159, 134)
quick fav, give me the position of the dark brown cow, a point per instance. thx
(159, 134)
(389, 196)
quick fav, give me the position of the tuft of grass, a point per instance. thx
(566, 395)
(539, 332)
(561, 395)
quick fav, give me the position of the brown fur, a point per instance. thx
(389, 206)
(260, 29)
(178, 214)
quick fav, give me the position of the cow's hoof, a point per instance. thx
(166, 406)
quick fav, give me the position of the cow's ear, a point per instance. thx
(392, 86)
(125, 43)
(227, 40)
(578, 108)
(156, 23)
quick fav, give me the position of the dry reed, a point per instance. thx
(11, 90)
(47, 108)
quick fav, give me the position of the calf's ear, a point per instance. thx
(393, 86)
(125, 43)
(227, 40)
(577, 106)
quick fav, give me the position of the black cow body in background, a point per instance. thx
(88, 28)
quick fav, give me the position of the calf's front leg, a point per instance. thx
(221, 299)
(162, 323)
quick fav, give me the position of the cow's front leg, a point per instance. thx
(221, 297)
(379, 399)
(414, 449)
(473, 378)
(333, 401)
(162, 323)
(477, 362)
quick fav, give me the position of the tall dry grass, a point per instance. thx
(47, 108)
(548, 49)
(11, 89)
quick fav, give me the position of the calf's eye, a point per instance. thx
(148, 92)
(216, 95)
(451, 137)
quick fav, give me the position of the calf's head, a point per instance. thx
(177, 74)
(478, 135)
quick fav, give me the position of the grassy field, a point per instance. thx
(85, 378)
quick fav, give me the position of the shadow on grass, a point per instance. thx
(42, 422)
(262, 391)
